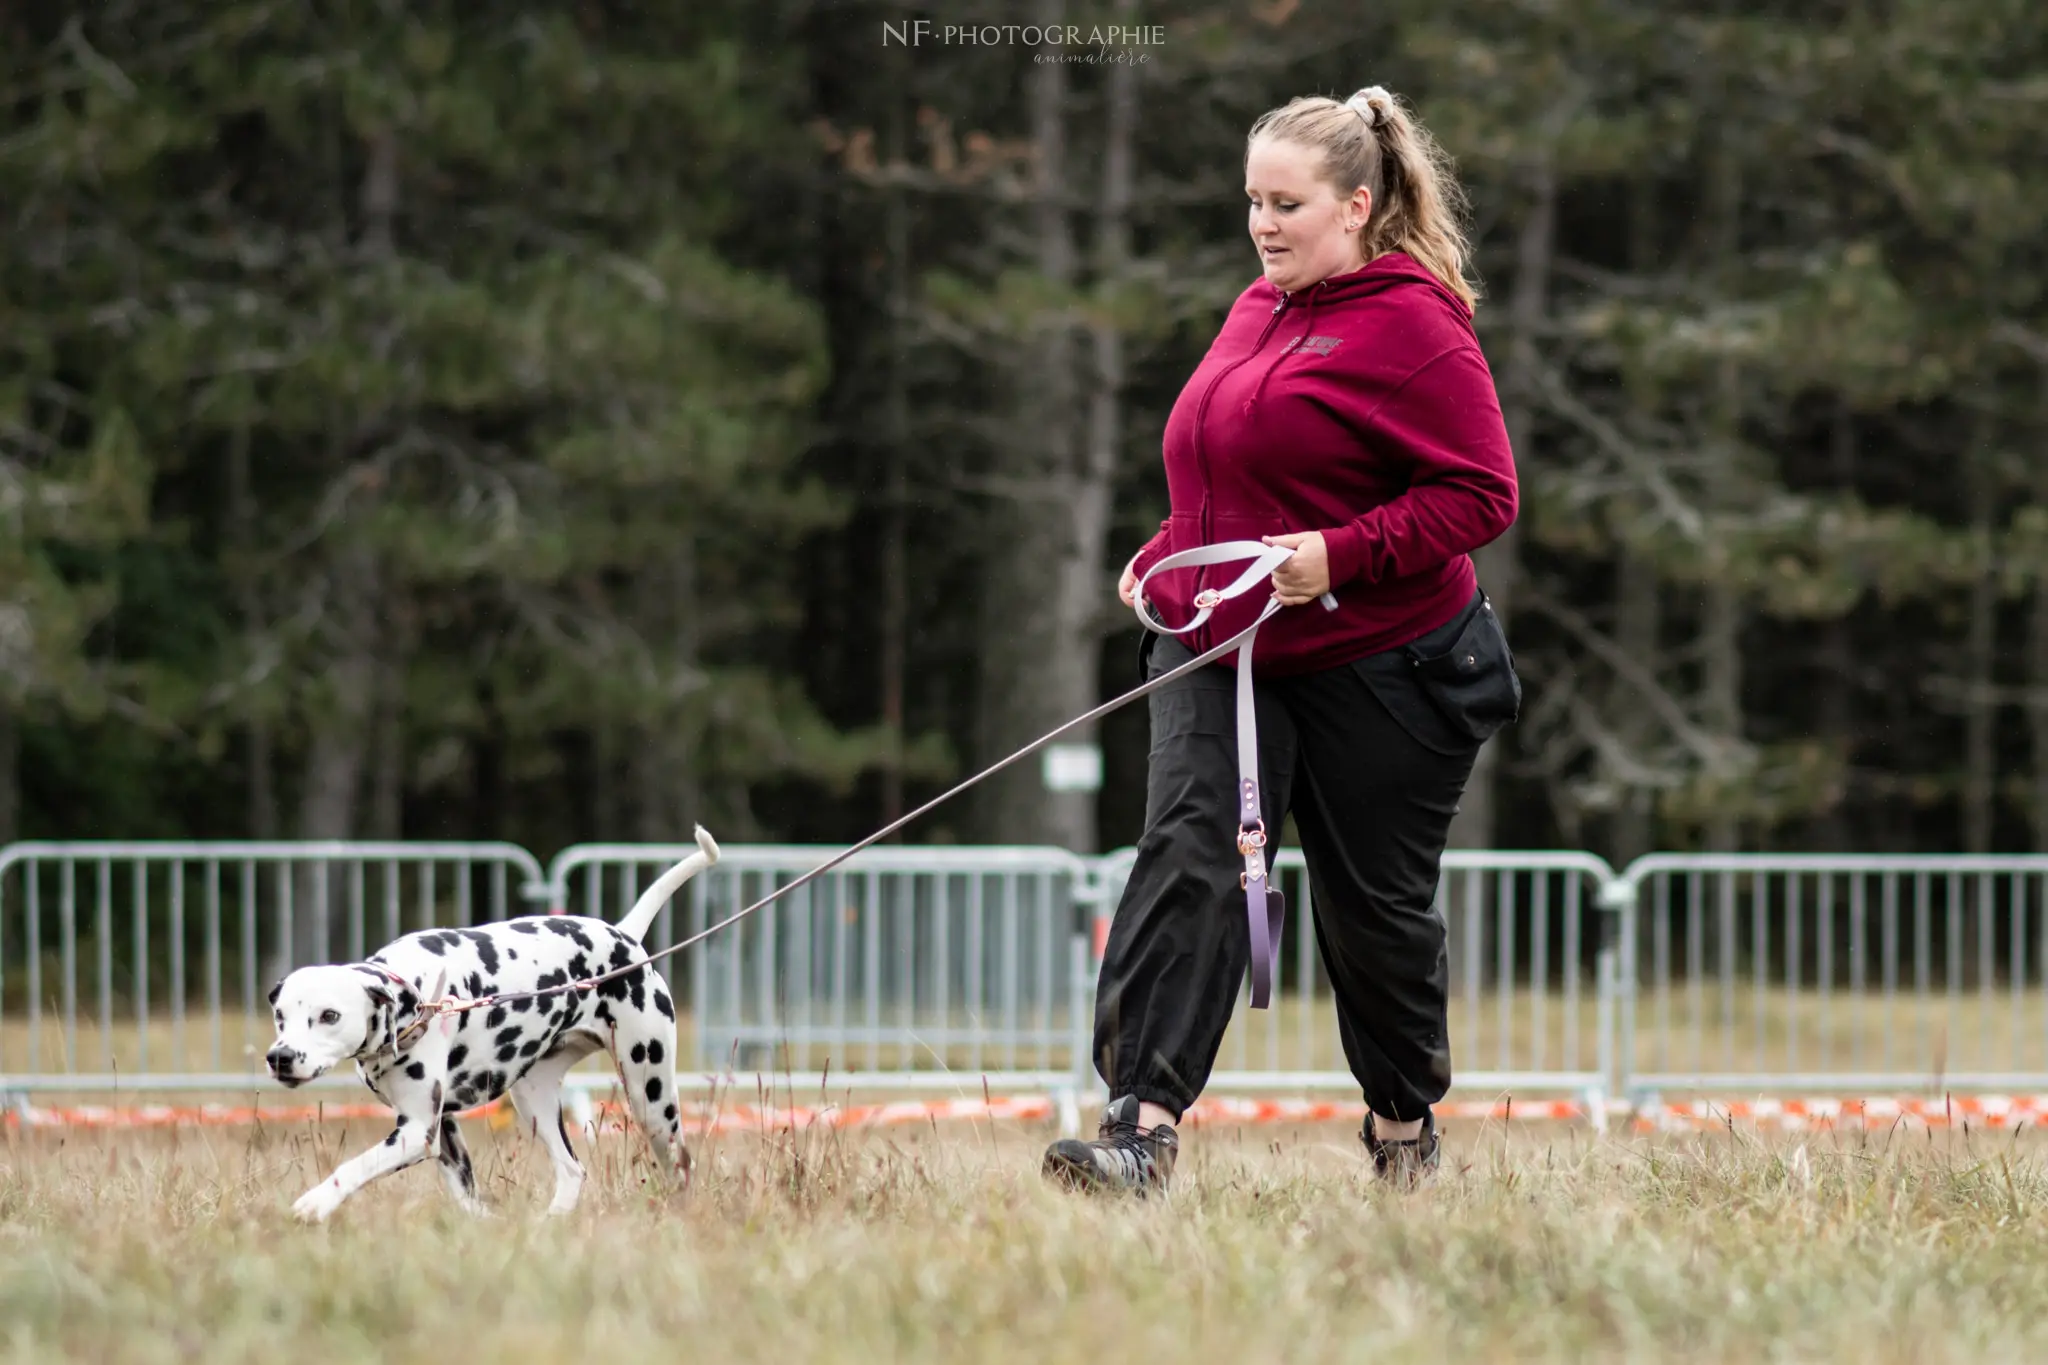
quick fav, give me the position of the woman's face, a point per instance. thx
(1298, 223)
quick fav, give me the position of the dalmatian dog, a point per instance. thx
(428, 1065)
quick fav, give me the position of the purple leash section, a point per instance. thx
(1265, 906)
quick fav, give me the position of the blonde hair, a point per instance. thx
(1372, 140)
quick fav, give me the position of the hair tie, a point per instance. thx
(1361, 104)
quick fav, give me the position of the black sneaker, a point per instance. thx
(1409, 1162)
(1120, 1158)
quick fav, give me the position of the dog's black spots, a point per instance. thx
(661, 1003)
(512, 954)
(432, 943)
(474, 985)
(579, 967)
(509, 1035)
(616, 989)
(669, 1113)
(549, 980)
(570, 930)
(525, 926)
(532, 1047)
(603, 1012)
(522, 1004)
(562, 1127)
(274, 990)
(639, 1053)
(486, 948)
(621, 954)
(654, 1087)
(434, 1099)
(638, 981)
(416, 1070)
(508, 1052)
(401, 1120)
(456, 1055)
(391, 1139)
(496, 1018)
(498, 1081)
(655, 1052)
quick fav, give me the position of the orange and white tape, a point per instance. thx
(1984, 1111)
(1988, 1111)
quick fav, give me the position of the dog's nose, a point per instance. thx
(280, 1059)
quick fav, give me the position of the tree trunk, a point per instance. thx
(2037, 672)
(895, 573)
(262, 759)
(2037, 682)
(1838, 653)
(10, 773)
(1639, 598)
(1500, 564)
(341, 722)
(1045, 576)
(1638, 626)
(1980, 708)
(1722, 618)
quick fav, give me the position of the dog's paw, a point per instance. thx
(318, 1203)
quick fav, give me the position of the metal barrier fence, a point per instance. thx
(1533, 967)
(1802, 973)
(911, 968)
(143, 966)
(138, 934)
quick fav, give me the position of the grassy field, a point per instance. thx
(1538, 1244)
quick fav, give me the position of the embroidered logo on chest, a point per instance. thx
(1320, 345)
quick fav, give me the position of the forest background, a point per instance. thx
(568, 422)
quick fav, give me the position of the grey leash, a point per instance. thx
(1267, 908)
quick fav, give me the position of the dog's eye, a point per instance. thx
(330, 1016)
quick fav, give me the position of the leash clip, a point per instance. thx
(1252, 838)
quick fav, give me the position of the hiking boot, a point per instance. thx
(1120, 1158)
(1407, 1163)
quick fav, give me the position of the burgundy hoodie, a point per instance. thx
(1360, 407)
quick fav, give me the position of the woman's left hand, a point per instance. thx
(1306, 576)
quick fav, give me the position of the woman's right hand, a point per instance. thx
(1127, 586)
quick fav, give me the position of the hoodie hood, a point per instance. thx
(1396, 270)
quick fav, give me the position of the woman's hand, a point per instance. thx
(1127, 586)
(1306, 576)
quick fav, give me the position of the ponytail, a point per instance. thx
(1372, 140)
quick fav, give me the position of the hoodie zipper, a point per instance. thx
(1202, 455)
(1202, 413)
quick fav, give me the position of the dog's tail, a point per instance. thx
(637, 920)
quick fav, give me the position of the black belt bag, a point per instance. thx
(1453, 688)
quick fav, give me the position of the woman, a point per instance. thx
(1344, 411)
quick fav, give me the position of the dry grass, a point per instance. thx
(1539, 1244)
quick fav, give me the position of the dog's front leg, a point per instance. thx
(407, 1143)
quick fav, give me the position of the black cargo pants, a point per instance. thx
(1372, 758)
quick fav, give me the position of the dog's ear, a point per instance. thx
(275, 989)
(380, 996)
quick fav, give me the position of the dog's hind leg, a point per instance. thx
(457, 1170)
(537, 1096)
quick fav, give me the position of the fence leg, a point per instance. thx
(1080, 1033)
(1616, 986)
